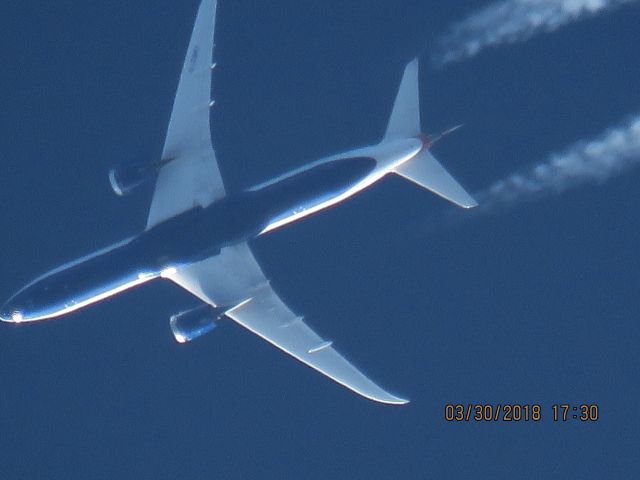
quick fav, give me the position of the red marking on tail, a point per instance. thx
(426, 141)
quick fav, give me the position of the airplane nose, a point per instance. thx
(9, 315)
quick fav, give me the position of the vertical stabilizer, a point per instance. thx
(405, 117)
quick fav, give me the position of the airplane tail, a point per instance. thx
(423, 169)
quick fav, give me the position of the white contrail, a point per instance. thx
(613, 153)
(512, 21)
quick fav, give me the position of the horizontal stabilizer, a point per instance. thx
(425, 171)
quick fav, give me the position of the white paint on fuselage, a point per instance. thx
(72, 307)
(75, 262)
(24, 316)
(388, 155)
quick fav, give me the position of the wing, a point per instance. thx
(190, 175)
(235, 278)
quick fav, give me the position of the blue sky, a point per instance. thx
(536, 304)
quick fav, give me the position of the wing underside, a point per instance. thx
(235, 279)
(268, 317)
(190, 176)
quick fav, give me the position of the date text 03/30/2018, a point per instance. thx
(515, 412)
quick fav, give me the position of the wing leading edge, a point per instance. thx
(235, 278)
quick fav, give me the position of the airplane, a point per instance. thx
(197, 233)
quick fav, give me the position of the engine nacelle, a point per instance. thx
(126, 178)
(194, 323)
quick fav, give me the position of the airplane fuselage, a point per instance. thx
(202, 232)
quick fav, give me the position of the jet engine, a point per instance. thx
(126, 178)
(194, 323)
